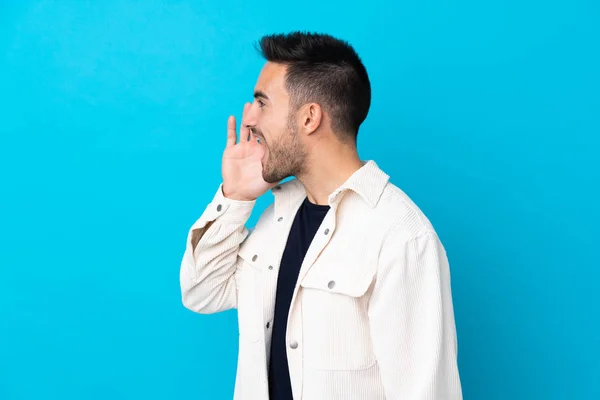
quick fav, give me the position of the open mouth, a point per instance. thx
(259, 138)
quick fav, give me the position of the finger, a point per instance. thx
(244, 130)
(231, 134)
(253, 139)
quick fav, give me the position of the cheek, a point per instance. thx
(271, 125)
(267, 137)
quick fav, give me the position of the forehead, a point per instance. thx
(271, 81)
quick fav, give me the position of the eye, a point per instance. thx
(260, 103)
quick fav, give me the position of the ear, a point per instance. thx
(310, 117)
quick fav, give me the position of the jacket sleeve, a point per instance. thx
(209, 268)
(412, 321)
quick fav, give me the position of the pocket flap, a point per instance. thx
(349, 280)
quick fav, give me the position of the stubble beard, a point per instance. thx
(285, 157)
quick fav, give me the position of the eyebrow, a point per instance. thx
(260, 94)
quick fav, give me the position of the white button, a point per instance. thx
(280, 219)
(294, 344)
(326, 231)
(331, 284)
(270, 267)
(219, 207)
(254, 258)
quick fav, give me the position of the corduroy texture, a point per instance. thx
(371, 316)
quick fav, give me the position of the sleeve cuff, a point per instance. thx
(225, 209)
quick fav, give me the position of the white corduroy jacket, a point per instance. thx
(371, 316)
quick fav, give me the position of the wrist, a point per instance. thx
(233, 196)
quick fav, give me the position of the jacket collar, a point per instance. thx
(368, 182)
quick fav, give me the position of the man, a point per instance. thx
(342, 287)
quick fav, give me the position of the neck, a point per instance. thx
(327, 170)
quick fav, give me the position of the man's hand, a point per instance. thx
(242, 166)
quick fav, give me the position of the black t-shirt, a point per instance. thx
(306, 223)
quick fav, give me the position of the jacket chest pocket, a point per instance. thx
(335, 323)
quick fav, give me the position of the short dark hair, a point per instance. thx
(325, 70)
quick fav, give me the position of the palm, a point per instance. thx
(242, 166)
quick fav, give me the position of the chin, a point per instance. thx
(269, 178)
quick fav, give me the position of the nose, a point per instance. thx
(251, 118)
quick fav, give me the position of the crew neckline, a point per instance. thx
(319, 207)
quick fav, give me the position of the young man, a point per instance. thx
(342, 287)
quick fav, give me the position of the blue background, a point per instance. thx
(113, 121)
